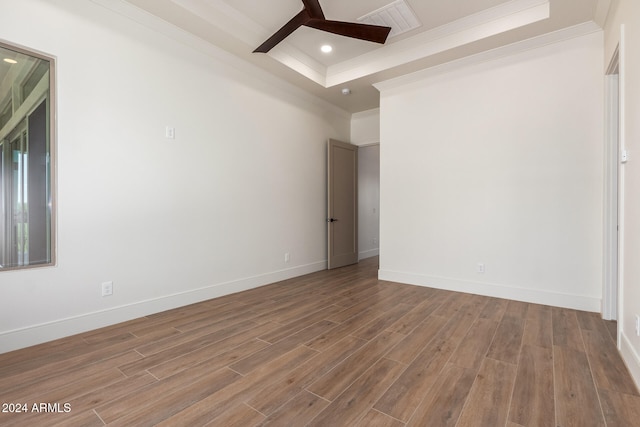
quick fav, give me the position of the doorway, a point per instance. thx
(342, 204)
(614, 156)
(368, 201)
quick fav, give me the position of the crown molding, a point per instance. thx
(496, 20)
(232, 62)
(300, 62)
(602, 11)
(487, 23)
(231, 21)
(406, 81)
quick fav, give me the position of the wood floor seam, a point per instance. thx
(593, 377)
(339, 348)
(513, 387)
(464, 406)
(151, 373)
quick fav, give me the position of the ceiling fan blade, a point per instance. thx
(313, 6)
(288, 28)
(372, 33)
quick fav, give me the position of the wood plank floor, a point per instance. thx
(334, 348)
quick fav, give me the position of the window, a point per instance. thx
(26, 158)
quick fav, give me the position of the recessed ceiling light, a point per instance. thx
(10, 61)
(326, 48)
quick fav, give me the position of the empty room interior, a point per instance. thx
(327, 213)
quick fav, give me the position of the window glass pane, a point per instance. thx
(25, 159)
(39, 70)
(5, 114)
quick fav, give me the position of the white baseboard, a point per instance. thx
(37, 334)
(536, 296)
(368, 254)
(631, 358)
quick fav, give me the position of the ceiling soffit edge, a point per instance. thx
(300, 62)
(367, 113)
(602, 11)
(407, 81)
(233, 62)
(225, 18)
(231, 21)
(466, 30)
(501, 18)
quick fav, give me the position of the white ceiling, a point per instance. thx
(451, 29)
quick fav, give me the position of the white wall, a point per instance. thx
(627, 13)
(170, 222)
(365, 127)
(498, 160)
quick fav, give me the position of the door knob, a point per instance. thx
(332, 220)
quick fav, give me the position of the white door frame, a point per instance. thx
(615, 156)
(611, 195)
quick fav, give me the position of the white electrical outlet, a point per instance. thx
(170, 132)
(637, 325)
(107, 289)
(480, 268)
(287, 257)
